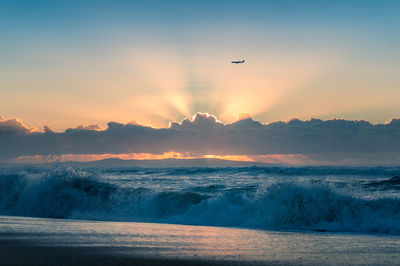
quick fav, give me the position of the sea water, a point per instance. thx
(329, 199)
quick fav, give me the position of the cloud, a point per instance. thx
(13, 127)
(201, 121)
(93, 127)
(335, 140)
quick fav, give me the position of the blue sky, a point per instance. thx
(65, 63)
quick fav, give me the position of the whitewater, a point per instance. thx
(327, 199)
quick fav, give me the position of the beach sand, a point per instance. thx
(37, 241)
(27, 253)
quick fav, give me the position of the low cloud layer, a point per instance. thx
(333, 140)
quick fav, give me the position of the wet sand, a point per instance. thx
(38, 241)
(25, 253)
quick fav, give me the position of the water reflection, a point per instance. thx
(202, 242)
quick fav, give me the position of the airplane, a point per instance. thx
(237, 62)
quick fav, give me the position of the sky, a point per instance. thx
(69, 63)
(75, 66)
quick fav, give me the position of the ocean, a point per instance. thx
(297, 205)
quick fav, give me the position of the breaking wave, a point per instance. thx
(70, 193)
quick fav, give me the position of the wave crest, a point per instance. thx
(76, 194)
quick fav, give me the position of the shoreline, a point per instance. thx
(46, 241)
(266, 230)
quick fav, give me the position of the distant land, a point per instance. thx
(115, 162)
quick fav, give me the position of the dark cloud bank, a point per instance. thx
(332, 140)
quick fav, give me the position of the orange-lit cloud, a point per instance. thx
(243, 158)
(95, 157)
(292, 159)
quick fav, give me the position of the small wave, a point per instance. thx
(273, 170)
(386, 184)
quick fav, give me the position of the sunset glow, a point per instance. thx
(88, 70)
(292, 159)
